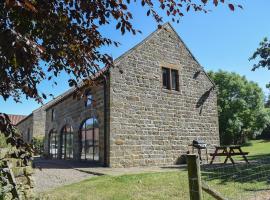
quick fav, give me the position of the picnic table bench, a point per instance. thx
(229, 152)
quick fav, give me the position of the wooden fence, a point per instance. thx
(195, 183)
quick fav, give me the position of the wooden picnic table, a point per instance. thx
(229, 152)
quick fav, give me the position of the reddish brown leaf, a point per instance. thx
(44, 96)
(204, 1)
(118, 25)
(124, 7)
(30, 6)
(143, 2)
(231, 6)
(240, 6)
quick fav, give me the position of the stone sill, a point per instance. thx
(171, 91)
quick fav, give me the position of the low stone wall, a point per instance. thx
(15, 173)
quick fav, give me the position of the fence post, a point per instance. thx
(194, 177)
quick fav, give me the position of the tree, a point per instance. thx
(262, 56)
(266, 132)
(241, 108)
(262, 60)
(65, 35)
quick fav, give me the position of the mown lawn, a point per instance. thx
(147, 186)
(232, 182)
(243, 181)
(258, 149)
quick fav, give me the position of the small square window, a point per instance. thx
(170, 79)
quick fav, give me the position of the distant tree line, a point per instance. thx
(243, 113)
(266, 132)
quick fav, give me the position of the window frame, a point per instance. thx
(66, 142)
(176, 88)
(52, 114)
(170, 79)
(93, 155)
(53, 137)
(87, 94)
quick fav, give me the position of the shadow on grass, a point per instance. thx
(258, 190)
(265, 141)
(257, 171)
(247, 144)
(261, 157)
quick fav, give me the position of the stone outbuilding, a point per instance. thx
(143, 111)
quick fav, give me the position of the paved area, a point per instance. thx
(50, 174)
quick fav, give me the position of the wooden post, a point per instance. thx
(194, 177)
(213, 193)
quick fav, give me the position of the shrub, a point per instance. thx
(38, 143)
(3, 143)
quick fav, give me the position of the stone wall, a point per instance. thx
(39, 118)
(150, 125)
(14, 171)
(24, 125)
(72, 111)
(35, 122)
(147, 125)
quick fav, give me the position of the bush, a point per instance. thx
(38, 143)
(3, 143)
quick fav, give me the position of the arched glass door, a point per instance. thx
(67, 142)
(53, 143)
(89, 137)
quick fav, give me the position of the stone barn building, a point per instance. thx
(143, 111)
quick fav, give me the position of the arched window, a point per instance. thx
(89, 137)
(67, 142)
(53, 143)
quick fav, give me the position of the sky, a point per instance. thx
(221, 39)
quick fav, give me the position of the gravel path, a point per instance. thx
(50, 174)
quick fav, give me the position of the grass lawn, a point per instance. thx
(147, 186)
(246, 182)
(258, 149)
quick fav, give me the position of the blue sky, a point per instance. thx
(220, 39)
